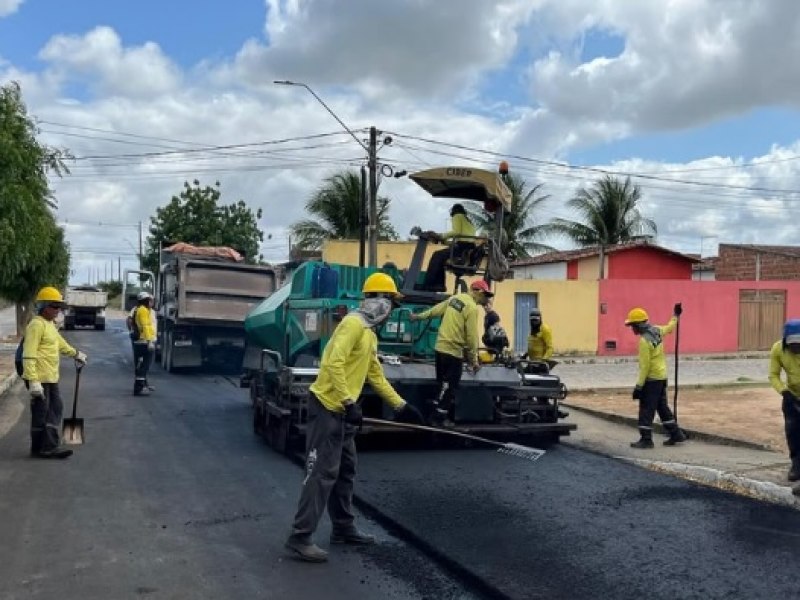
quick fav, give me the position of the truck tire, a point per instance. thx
(101, 327)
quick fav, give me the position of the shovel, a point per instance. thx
(73, 428)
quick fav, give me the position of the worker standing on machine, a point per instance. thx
(651, 386)
(461, 233)
(334, 416)
(457, 342)
(785, 356)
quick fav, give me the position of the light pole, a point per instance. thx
(372, 165)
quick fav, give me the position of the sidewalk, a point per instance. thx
(736, 438)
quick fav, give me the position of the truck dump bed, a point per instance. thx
(85, 297)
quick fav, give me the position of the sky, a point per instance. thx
(696, 100)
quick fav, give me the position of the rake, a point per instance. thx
(531, 454)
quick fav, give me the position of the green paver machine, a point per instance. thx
(288, 331)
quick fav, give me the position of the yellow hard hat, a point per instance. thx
(49, 294)
(380, 283)
(485, 357)
(636, 315)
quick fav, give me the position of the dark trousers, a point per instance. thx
(330, 472)
(46, 415)
(449, 369)
(791, 421)
(435, 275)
(654, 400)
(142, 358)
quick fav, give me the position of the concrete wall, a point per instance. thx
(569, 307)
(589, 268)
(556, 270)
(647, 263)
(710, 322)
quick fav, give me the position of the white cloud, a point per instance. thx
(137, 72)
(9, 7)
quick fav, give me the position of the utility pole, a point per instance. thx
(140, 245)
(119, 268)
(362, 219)
(373, 197)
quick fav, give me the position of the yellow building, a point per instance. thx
(568, 306)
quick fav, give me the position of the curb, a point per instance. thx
(617, 389)
(602, 359)
(692, 434)
(7, 383)
(760, 490)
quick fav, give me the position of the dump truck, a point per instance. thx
(202, 297)
(85, 306)
(287, 334)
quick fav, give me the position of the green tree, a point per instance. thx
(336, 207)
(196, 217)
(609, 215)
(522, 230)
(32, 248)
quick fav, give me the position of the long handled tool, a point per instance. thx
(531, 454)
(73, 428)
(677, 343)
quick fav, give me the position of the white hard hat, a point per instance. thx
(143, 296)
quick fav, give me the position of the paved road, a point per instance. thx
(173, 497)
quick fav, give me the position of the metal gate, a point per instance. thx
(761, 317)
(523, 303)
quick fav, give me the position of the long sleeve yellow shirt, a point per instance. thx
(652, 361)
(41, 351)
(461, 227)
(783, 360)
(351, 358)
(144, 322)
(458, 331)
(540, 345)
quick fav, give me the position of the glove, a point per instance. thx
(81, 358)
(151, 346)
(36, 390)
(677, 309)
(409, 414)
(353, 415)
(637, 393)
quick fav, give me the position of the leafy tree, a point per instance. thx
(112, 288)
(609, 216)
(196, 217)
(522, 234)
(336, 206)
(32, 248)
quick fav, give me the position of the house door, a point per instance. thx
(523, 303)
(761, 317)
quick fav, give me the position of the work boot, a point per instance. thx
(59, 452)
(643, 444)
(352, 536)
(794, 472)
(562, 414)
(306, 550)
(675, 437)
(144, 391)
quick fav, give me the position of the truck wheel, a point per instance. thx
(100, 327)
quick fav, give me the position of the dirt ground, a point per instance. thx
(744, 413)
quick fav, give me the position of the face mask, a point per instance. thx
(375, 311)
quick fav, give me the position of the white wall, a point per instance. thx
(556, 271)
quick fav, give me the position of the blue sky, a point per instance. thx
(607, 85)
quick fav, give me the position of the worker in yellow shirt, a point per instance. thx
(456, 343)
(651, 385)
(461, 234)
(334, 416)
(41, 370)
(540, 338)
(785, 356)
(144, 343)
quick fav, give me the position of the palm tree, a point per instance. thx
(521, 233)
(609, 216)
(336, 206)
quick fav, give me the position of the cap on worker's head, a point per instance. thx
(791, 332)
(49, 294)
(481, 286)
(535, 312)
(457, 209)
(143, 296)
(380, 283)
(636, 315)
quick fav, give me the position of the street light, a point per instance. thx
(372, 163)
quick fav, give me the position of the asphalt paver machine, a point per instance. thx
(288, 331)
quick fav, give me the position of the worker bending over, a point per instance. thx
(785, 356)
(651, 386)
